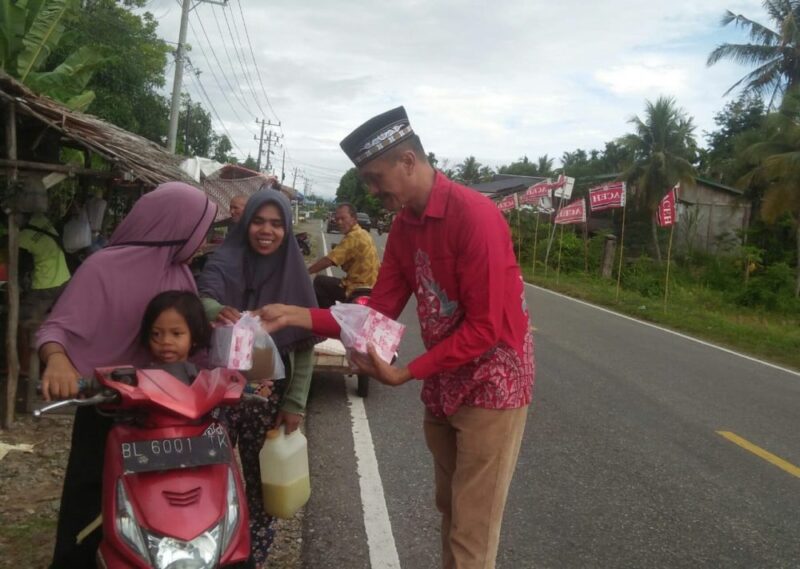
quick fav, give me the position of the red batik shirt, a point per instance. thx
(458, 261)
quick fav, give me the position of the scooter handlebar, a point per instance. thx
(86, 386)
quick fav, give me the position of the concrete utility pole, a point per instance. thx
(172, 133)
(269, 146)
(263, 123)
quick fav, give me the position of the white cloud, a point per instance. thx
(496, 80)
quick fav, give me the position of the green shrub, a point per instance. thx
(644, 276)
(772, 289)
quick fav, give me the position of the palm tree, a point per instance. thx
(469, 171)
(778, 168)
(544, 166)
(775, 53)
(662, 147)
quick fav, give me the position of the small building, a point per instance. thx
(711, 216)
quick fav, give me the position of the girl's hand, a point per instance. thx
(60, 378)
(290, 421)
(228, 315)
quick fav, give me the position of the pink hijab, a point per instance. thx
(98, 316)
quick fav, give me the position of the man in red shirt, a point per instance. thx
(451, 248)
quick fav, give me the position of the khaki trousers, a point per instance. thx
(474, 453)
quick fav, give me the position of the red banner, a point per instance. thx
(666, 214)
(536, 192)
(572, 213)
(507, 203)
(607, 196)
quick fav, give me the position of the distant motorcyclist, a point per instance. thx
(356, 254)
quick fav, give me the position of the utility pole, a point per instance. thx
(269, 147)
(263, 123)
(172, 133)
(283, 166)
(294, 177)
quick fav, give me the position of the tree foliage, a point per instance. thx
(774, 53)
(31, 49)
(663, 148)
(778, 168)
(353, 190)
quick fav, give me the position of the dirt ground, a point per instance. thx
(30, 490)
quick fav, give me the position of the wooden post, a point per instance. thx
(535, 242)
(586, 248)
(621, 251)
(560, 246)
(669, 256)
(12, 357)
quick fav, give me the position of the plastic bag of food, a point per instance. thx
(362, 326)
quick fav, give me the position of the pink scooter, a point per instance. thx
(172, 491)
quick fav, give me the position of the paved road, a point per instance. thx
(621, 466)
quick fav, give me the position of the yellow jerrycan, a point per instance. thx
(285, 483)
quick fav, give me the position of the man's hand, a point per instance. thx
(228, 315)
(60, 378)
(276, 317)
(290, 421)
(372, 365)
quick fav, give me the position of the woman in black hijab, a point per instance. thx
(260, 263)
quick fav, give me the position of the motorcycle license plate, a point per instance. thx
(212, 447)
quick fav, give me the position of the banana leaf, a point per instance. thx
(12, 30)
(67, 82)
(43, 35)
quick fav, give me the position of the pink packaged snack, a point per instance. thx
(232, 346)
(362, 326)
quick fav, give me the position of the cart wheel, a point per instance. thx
(363, 385)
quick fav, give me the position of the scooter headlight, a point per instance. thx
(231, 513)
(200, 553)
(127, 526)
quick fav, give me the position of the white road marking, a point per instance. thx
(380, 539)
(673, 332)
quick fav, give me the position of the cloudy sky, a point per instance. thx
(497, 80)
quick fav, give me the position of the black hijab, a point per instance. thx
(237, 276)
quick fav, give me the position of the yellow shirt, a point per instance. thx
(49, 264)
(358, 258)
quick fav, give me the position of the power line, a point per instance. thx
(241, 64)
(196, 78)
(252, 54)
(233, 91)
(222, 91)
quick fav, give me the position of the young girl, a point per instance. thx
(175, 327)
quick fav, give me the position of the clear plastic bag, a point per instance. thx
(362, 326)
(266, 361)
(77, 232)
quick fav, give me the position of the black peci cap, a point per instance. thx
(376, 136)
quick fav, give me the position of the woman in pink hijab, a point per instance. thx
(96, 323)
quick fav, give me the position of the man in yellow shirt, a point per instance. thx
(355, 254)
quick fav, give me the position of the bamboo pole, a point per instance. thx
(12, 357)
(669, 256)
(535, 242)
(586, 248)
(519, 239)
(621, 251)
(560, 247)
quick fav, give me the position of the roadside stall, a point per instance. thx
(51, 158)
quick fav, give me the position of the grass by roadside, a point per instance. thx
(701, 313)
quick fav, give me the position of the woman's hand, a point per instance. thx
(372, 365)
(290, 421)
(275, 317)
(228, 315)
(60, 378)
